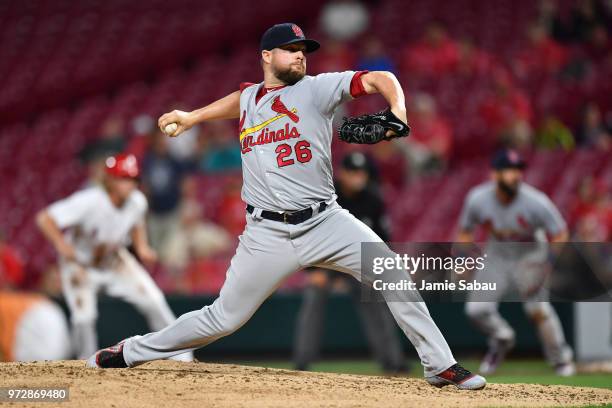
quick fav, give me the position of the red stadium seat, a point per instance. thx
(67, 66)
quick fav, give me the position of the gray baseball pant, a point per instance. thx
(268, 252)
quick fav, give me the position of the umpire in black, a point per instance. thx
(358, 193)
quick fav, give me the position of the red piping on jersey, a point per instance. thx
(357, 89)
(245, 85)
(262, 91)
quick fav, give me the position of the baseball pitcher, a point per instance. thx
(99, 222)
(515, 215)
(293, 219)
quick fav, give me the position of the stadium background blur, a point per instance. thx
(82, 79)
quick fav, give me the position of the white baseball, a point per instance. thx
(170, 128)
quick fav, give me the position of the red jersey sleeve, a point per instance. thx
(357, 88)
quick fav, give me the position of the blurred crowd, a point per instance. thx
(194, 240)
(559, 49)
(562, 49)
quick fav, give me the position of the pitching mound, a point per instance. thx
(171, 384)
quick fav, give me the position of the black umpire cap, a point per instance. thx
(285, 34)
(508, 159)
(356, 161)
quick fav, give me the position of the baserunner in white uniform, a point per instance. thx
(293, 220)
(519, 220)
(99, 223)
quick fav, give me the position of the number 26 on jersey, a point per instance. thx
(285, 154)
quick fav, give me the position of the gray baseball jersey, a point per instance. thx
(285, 140)
(518, 221)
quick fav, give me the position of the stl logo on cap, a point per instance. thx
(513, 156)
(297, 30)
(122, 165)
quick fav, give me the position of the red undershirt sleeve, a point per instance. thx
(357, 88)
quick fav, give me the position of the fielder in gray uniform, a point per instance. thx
(520, 220)
(293, 220)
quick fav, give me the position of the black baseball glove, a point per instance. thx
(372, 128)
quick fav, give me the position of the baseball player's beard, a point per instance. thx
(289, 75)
(510, 190)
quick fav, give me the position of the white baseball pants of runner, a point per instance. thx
(268, 252)
(129, 281)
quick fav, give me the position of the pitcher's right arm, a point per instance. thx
(227, 107)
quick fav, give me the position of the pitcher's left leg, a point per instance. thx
(334, 240)
(133, 284)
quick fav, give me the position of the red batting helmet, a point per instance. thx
(122, 165)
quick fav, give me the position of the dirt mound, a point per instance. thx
(164, 384)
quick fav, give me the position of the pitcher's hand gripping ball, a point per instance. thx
(372, 128)
(170, 128)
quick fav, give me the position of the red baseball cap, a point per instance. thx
(122, 165)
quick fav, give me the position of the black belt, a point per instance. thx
(295, 217)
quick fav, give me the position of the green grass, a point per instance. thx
(514, 371)
(538, 372)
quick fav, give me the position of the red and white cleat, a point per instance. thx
(111, 357)
(459, 377)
